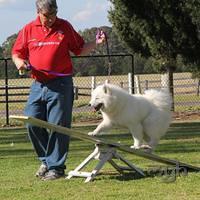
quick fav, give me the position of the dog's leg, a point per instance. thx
(137, 134)
(153, 142)
(104, 126)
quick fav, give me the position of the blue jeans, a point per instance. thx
(51, 102)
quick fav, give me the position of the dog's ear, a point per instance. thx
(106, 89)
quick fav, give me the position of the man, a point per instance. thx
(45, 44)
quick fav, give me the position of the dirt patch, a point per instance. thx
(189, 116)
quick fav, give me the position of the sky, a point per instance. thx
(82, 14)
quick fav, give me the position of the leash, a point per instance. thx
(98, 35)
(109, 57)
(30, 67)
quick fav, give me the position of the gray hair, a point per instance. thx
(47, 5)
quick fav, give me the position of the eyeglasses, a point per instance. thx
(48, 15)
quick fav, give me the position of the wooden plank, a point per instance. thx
(96, 140)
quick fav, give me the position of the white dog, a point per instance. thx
(146, 116)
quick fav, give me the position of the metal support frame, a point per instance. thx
(104, 154)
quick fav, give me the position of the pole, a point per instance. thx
(6, 91)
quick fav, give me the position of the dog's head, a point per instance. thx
(101, 98)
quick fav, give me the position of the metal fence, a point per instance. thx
(14, 91)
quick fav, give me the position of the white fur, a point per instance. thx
(146, 116)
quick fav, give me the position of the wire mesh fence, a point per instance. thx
(14, 90)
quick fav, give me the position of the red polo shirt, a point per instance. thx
(48, 49)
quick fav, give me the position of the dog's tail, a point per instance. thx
(161, 98)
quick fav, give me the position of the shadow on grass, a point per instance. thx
(179, 147)
(166, 174)
(182, 134)
(185, 124)
(7, 137)
(16, 152)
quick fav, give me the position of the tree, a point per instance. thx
(163, 30)
(8, 44)
(1, 52)
(6, 54)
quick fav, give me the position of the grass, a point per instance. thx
(19, 163)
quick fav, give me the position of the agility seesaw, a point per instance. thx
(105, 151)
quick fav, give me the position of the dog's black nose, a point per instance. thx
(89, 104)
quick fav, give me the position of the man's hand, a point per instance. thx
(89, 46)
(100, 36)
(20, 63)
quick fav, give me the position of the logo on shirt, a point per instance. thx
(60, 35)
(39, 44)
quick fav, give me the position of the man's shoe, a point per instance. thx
(41, 171)
(53, 174)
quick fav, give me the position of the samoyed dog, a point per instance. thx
(146, 116)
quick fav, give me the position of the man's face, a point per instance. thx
(47, 18)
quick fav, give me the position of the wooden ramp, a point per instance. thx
(105, 151)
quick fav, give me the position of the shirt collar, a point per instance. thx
(37, 21)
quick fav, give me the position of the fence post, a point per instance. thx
(6, 91)
(146, 84)
(133, 73)
(130, 83)
(198, 87)
(121, 84)
(93, 84)
(171, 85)
(75, 93)
(137, 83)
(167, 82)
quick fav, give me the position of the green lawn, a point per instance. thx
(18, 164)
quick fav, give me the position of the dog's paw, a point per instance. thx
(91, 134)
(146, 148)
(134, 147)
